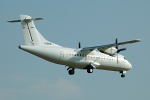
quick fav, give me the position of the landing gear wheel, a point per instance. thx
(90, 70)
(122, 75)
(71, 72)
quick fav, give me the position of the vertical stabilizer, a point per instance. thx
(31, 34)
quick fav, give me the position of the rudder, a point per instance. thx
(31, 34)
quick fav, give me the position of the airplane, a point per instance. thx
(104, 57)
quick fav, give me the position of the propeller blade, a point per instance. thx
(121, 50)
(117, 49)
(116, 43)
(79, 45)
(117, 58)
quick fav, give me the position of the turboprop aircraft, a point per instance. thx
(104, 57)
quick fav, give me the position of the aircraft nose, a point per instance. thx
(129, 65)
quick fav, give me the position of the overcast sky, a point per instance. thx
(92, 22)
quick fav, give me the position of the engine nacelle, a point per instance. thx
(110, 51)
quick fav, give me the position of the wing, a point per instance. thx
(111, 45)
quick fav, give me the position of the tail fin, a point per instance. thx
(31, 35)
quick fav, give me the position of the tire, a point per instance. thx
(71, 72)
(122, 75)
(90, 70)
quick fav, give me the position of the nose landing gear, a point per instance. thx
(122, 73)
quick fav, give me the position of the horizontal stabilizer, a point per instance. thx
(14, 21)
(32, 19)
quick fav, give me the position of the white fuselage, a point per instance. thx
(104, 57)
(76, 58)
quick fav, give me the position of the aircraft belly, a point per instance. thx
(78, 64)
(49, 54)
(112, 66)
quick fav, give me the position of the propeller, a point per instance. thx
(121, 50)
(79, 45)
(118, 50)
(116, 43)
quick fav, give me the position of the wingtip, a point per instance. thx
(138, 40)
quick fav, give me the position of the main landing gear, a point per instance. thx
(122, 73)
(89, 69)
(71, 71)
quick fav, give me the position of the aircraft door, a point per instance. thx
(61, 55)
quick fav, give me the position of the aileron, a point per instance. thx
(110, 45)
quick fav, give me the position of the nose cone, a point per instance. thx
(129, 66)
